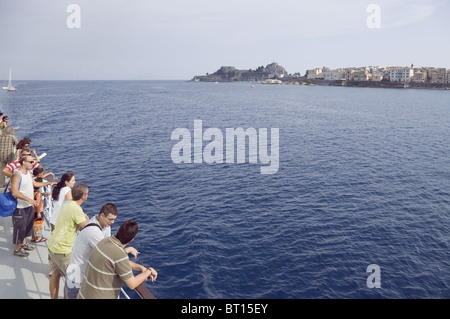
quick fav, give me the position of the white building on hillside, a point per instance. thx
(316, 73)
(401, 74)
(447, 76)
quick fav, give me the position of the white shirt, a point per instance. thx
(58, 204)
(87, 239)
(26, 188)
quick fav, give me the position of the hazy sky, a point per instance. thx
(177, 39)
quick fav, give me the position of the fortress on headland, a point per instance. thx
(230, 73)
(371, 76)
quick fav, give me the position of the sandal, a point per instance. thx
(27, 247)
(41, 240)
(20, 253)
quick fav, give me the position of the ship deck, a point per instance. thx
(24, 277)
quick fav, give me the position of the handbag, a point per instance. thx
(38, 227)
(8, 202)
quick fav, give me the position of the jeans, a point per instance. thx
(72, 288)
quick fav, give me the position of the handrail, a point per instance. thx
(144, 293)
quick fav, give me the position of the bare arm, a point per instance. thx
(36, 157)
(135, 281)
(7, 172)
(68, 195)
(42, 184)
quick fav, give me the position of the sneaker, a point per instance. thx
(20, 253)
(28, 247)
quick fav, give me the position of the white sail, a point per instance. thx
(10, 86)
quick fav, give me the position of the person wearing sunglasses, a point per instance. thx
(22, 188)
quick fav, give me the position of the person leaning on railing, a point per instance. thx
(109, 267)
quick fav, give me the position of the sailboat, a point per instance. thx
(10, 87)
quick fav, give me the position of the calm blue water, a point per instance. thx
(363, 179)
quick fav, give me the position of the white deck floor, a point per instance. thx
(24, 277)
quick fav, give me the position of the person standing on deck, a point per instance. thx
(86, 239)
(108, 266)
(70, 219)
(22, 188)
(7, 143)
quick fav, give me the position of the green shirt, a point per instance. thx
(63, 236)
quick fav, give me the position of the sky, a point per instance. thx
(178, 39)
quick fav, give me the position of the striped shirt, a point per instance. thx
(13, 166)
(107, 268)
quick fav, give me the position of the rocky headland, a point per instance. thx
(272, 71)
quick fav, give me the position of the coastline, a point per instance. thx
(369, 77)
(342, 83)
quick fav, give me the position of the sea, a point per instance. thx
(359, 207)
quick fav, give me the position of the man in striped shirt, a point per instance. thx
(108, 266)
(9, 169)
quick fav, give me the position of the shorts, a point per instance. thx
(23, 219)
(59, 262)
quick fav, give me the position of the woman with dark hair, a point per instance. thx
(61, 192)
(4, 123)
(23, 144)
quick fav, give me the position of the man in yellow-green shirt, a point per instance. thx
(70, 219)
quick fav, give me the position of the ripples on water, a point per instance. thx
(363, 180)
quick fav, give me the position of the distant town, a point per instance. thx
(370, 76)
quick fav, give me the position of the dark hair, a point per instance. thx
(78, 191)
(127, 231)
(38, 179)
(109, 208)
(65, 178)
(22, 143)
(38, 170)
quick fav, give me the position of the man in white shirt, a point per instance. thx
(97, 228)
(22, 185)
